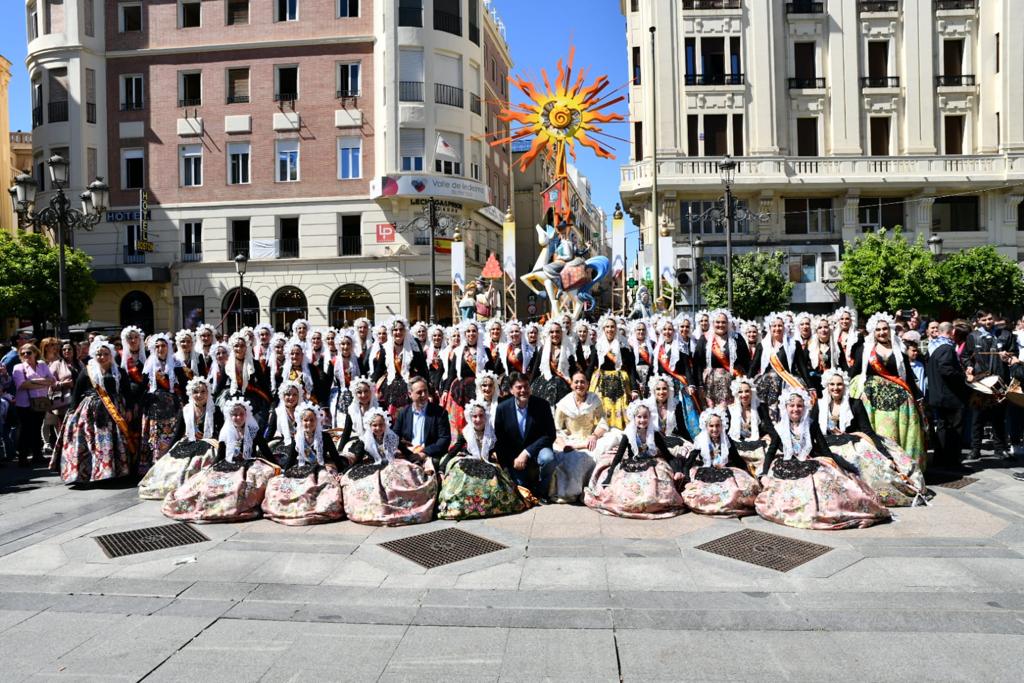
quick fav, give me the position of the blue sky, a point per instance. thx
(539, 33)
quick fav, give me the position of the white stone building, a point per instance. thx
(844, 115)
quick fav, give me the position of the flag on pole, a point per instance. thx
(445, 150)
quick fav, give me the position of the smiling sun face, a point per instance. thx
(558, 118)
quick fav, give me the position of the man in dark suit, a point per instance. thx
(525, 433)
(947, 397)
(422, 427)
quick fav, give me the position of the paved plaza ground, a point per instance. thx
(937, 595)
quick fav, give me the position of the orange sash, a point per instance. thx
(721, 358)
(664, 362)
(514, 359)
(122, 424)
(789, 378)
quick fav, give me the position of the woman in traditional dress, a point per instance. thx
(161, 406)
(187, 358)
(233, 487)
(669, 416)
(386, 488)
(637, 478)
(95, 441)
(846, 340)
(552, 367)
(807, 486)
(468, 359)
(643, 356)
(321, 367)
(673, 362)
(246, 378)
(354, 423)
(720, 357)
(346, 370)
(296, 368)
(402, 360)
(284, 420)
(487, 384)
(586, 354)
(308, 490)
(219, 354)
(750, 331)
(194, 446)
(264, 336)
(274, 360)
(613, 381)
(888, 389)
(882, 463)
(778, 363)
(580, 436)
(134, 383)
(819, 352)
(437, 362)
(494, 331)
(750, 426)
(475, 485)
(719, 483)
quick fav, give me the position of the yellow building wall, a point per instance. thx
(107, 304)
(7, 220)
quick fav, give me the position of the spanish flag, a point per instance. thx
(442, 246)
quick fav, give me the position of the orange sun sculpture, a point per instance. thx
(560, 117)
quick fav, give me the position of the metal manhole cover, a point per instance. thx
(151, 538)
(445, 546)
(957, 483)
(765, 550)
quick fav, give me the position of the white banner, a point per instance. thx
(458, 269)
(667, 260)
(262, 249)
(618, 246)
(508, 248)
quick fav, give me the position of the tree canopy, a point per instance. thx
(883, 272)
(758, 283)
(29, 275)
(980, 278)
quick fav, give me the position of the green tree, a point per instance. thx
(28, 279)
(980, 278)
(758, 284)
(884, 272)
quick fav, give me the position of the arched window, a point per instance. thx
(348, 303)
(286, 306)
(231, 310)
(137, 310)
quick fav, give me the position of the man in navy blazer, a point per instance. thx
(525, 433)
(422, 427)
(947, 396)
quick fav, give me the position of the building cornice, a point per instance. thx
(262, 45)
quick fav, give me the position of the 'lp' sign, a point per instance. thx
(385, 233)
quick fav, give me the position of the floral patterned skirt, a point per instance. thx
(474, 488)
(158, 422)
(613, 387)
(639, 489)
(893, 414)
(221, 493)
(898, 482)
(91, 446)
(752, 453)
(304, 495)
(718, 387)
(724, 492)
(824, 497)
(400, 492)
(185, 459)
(551, 390)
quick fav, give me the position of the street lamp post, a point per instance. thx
(696, 254)
(241, 263)
(935, 245)
(59, 217)
(727, 167)
(429, 221)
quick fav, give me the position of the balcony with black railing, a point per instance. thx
(345, 94)
(191, 253)
(804, 7)
(288, 248)
(961, 80)
(806, 83)
(447, 22)
(713, 79)
(880, 82)
(134, 105)
(946, 5)
(474, 103)
(448, 94)
(90, 112)
(286, 97)
(190, 102)
(237, 247)
(410, 91)
(879, 6)
(410, 16)
(238, 99)
(37, 116)
(57, 112)
(132, 256)
(350, 245)
(711, 4)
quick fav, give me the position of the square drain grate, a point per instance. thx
(765, 550)
(445, 546)
(956, 483)
(151, 538)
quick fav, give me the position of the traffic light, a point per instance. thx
(683, 276)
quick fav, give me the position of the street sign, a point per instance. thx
(631, 282)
